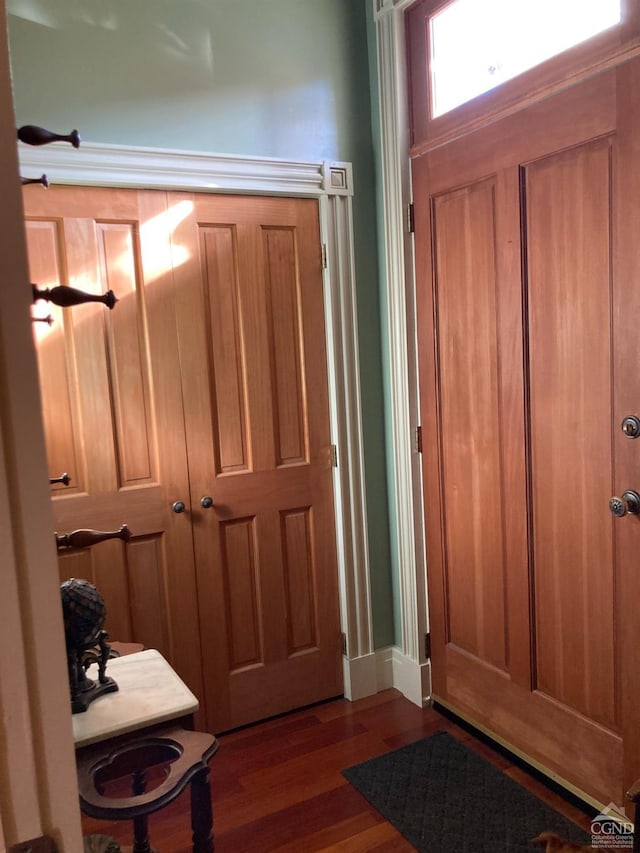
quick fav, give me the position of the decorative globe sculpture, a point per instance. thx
(83, 611)
(84, 614)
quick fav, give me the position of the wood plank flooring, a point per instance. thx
(277, 786)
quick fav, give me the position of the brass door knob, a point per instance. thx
(627, 504)
(630, 426)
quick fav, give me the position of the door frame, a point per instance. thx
(38, 770)
(331, 182)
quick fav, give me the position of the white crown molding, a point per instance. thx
(95, 164)
(99, 164)
(401, 330)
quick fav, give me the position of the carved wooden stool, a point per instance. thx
(189, 754)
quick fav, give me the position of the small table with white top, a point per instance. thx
(149, 692)
(146, 721)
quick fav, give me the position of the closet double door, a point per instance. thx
(196, 412)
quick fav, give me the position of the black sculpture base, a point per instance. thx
(81, 701)
(83, 689)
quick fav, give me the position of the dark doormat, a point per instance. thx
(446, 799)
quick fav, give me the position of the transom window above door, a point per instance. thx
(475, 45)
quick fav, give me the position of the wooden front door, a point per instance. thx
(112, 409)
(527, 271)
(207, 380)
(257, 416)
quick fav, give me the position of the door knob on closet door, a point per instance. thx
(178, 506)
(630, 426)
(627, 504)
(206, 502)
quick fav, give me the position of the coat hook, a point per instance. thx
(68, 296)
(33, 135)
(43, 179)
(65, 479)
(86, 538)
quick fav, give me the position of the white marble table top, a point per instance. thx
(150, 692)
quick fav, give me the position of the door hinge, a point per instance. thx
(427, 645)
(418, 439)
(323, 250)
(333, 455)
(411, 221)
(344, 643)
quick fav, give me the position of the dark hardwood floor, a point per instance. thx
(278, 785)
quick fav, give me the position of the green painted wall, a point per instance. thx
(276, 78)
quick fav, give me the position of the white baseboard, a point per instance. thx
(360, 676)
(386, 668)
(411, 678)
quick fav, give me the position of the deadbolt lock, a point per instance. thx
(630, 426)
(627, 504)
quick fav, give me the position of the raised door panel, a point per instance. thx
(469, 396)
(297, 533)
(129, 375)
(239, 569)
(65, 449)
(112, 408)
(286, 335)
(569, 288)
(475, 419)
(220, 269)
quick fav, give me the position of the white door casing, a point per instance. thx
(411, 668)
(37, 766)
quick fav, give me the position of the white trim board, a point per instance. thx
(95, 164)
(402, 340)
(99, 164)
(394, 669)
